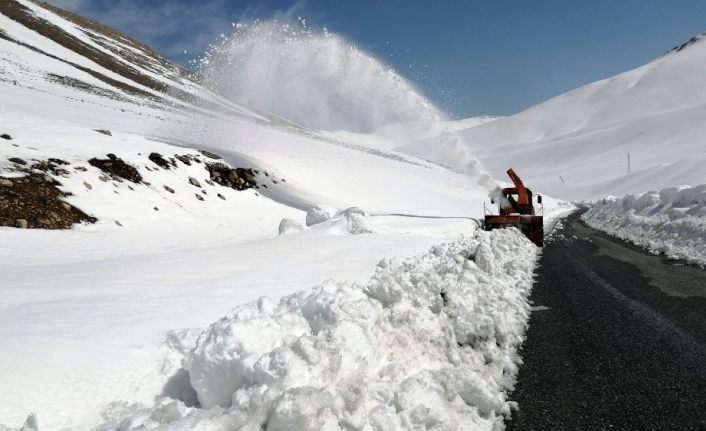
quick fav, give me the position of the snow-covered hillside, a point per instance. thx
(176, 198)
(575, 146)
(60, 54)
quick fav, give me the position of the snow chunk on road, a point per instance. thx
(430, 342)
(671, 221)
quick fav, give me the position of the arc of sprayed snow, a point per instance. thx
(471, 166)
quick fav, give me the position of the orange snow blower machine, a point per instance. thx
(516, 209)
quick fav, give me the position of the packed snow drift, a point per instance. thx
(429, 342)
(670, 222)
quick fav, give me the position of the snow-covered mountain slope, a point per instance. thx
(84, 311)
(238, 130)
(575, 146)
(57, 52)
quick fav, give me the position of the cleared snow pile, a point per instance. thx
(319, 214)
(287, 226)
(29, 425)
(429, 342)
(351, 221)
(671, 221)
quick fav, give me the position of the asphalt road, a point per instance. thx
(617, 339)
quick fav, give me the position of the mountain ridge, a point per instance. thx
(575, 145)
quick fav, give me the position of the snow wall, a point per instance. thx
(671, 221)
(430, 342)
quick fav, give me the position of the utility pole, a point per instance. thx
(628, 163)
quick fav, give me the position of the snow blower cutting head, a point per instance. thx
(516, 209)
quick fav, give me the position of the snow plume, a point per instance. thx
(321, 81)
(312, 77)
(430, 342)
(464, 160)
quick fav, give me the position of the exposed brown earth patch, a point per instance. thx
(210, 155)
(34, 199)
(51, 165)
(160, 161)
(117, 168)
(185, 159)
(86, 87)
(235, 178)
(34, 202)
(58, 161)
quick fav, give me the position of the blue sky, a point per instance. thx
(470, 57)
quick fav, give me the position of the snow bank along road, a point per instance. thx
(429, 342)
(671, 221)
(617, 339)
